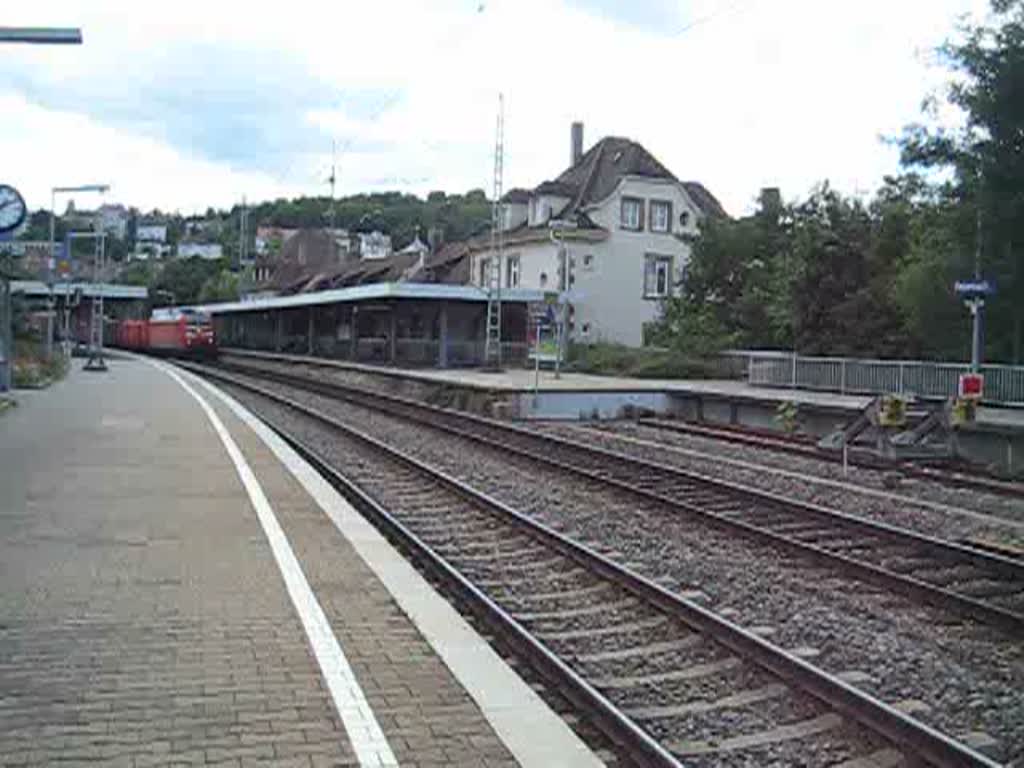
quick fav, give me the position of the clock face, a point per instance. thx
(12, 208)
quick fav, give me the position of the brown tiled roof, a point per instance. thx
(516, 195)
(449, 265)
(388, 270)
(560, 188)
(307, 253)
(599, 171)
(704, 200)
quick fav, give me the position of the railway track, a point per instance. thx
(950, 475)
(667, 680)
(973, 583)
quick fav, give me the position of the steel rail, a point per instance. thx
(758, 439)
(908, 586)
(908, 734)
(613, 723)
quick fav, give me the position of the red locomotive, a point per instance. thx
(173, 332)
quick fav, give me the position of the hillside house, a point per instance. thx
(614, 230)
(374, 245)
(208, 251)
(114, 220)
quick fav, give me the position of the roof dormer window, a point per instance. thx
(661, 216)
(632, 216)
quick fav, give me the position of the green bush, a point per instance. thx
(31, 371)
(638, 362)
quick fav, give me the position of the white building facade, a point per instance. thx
(374, 245)
(114, 220)
(613, 233)
(208, 251)
(151, 242)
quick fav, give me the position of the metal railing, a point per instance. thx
(1004, 384)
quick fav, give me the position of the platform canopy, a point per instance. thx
(373, 292)
(88, 290)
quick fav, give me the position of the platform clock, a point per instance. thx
(12, 209)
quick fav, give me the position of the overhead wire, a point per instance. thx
(709, 17)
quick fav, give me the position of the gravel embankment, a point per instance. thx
(917, 504)
(959, 677)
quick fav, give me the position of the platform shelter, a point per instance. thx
(412, 324)
(119, 301)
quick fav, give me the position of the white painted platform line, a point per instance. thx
(364, 733)
(535, 735)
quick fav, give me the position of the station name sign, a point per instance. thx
(974, 287)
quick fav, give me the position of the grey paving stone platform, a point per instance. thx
(143, 620)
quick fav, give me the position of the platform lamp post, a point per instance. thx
(102, 189)
(33, 36)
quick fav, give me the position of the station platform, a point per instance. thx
(179, 587)
(569, 394)
(995, 439)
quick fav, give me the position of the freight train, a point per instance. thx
(170, 332)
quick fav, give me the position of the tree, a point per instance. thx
(815, 275)
(223, 286)
(725, 296)
(839, 276)
(38, 226)
(137, 273)
(986, 155)
(184, 279)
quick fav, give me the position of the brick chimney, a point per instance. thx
(577, 142)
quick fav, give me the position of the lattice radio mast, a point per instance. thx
(331, 180)
(492, 346)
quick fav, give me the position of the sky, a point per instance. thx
(185, 105)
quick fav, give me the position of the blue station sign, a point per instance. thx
(974, 287)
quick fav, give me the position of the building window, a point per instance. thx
(588, 261)
(485, 266)
(661, 216)
(684, 219)
(657, 276)
(632, 213)
(512, 272)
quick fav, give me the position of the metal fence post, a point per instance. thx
(842, 376)
(793, 377)
(901, 379)
(6, 336)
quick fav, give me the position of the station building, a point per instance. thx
(613, 232)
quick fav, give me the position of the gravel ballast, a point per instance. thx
(919, 504)
(623, 624)
(969, 675)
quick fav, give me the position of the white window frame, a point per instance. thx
(657, 276)
(513, 267)
(485, 267)
(664, 207)
(635, 221)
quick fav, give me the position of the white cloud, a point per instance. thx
(43, 149)
(784, 93)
